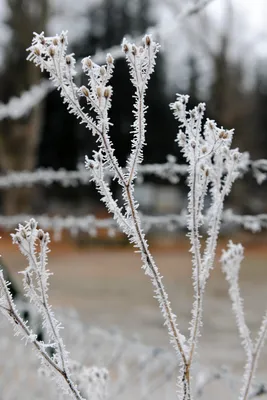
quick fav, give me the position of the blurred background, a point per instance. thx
(215, 51)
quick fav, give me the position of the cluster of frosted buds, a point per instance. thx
(98, 93)
(198, 143)
(50, 54)
(206, 147)
(141, 60)
(29, 235)
(231, 260)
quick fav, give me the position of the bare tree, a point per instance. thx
(19, 138)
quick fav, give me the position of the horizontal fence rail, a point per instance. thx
(91, 224)
(170, 171)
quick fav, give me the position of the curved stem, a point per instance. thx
(255, 355)
(19, 321)
(148, 259)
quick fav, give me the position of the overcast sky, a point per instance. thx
(249, 21)
(248, 32)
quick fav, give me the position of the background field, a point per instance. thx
(107, 287)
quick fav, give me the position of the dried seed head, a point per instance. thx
(223, 135)
(69, 59)
(62, 38)
(102, 71)
(51, 51)
(107, 92)
(88, 62)
(33, 224)
(99, 91)
(55, 41)
(84, 91)
(134, 50)
(148, 40)
(182, 138)
(204, 149)
(23, 233)
(17, 239)
(207, 172)
(109, 59)
(42, 40)
(37, 51)
(211, 125)
(193, 144)
(40, 235)
(91, 164)
(125, 48)
(201, 108)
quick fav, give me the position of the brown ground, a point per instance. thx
(107, 286)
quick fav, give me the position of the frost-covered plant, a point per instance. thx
(231, 260)
(213, 167)
(50, 54)
(33, 244)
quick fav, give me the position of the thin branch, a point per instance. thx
(13, 315)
